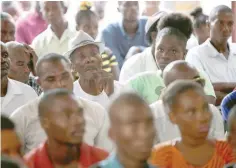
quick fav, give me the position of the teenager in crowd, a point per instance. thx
(174, 30)
(187, 107)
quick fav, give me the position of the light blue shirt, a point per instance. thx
(115, 38)
(113, 162)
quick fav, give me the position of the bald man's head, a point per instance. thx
(19, 69)
(132, 126)
(179, 70)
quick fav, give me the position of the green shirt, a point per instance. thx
(149, 85)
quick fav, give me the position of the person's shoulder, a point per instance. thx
(110, 28)
(148, 75)
(224, 149)
(91, 106)
(31, 157)
(40, 37)
(28, 110)
(143, 19)
(24, 87)
(96, 153)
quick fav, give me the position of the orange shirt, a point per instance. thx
(38, 158)
(166, 155)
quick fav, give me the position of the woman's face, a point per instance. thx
(89, 25)
(169, 48)
(192, 114)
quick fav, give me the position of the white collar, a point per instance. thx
(50, 34)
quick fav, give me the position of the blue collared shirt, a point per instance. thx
(113, 162)
(115, 38)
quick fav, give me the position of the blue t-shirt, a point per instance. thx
(115, 38)
(113, 162)
(227, 103)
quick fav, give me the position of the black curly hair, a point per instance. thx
(178, 21)
(199, 18)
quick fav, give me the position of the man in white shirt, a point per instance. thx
(13, 93)
(216, 56)
(54, 71)
(56, 37)
(145, 60)
(94, 83)
(167, 130)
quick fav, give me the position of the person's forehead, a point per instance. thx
(169, 40)
(7, 24)
(225, 16)
(130, 113)
(54, 68)
(47, 4)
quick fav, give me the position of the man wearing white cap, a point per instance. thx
(94, 83)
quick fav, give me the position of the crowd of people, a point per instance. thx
(142, 92)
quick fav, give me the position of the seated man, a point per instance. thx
(132, 132)
(10, 143)
(216, 56)
(21, 65)
(54, 71)
(64, 126)
(7, 28)
(166, 130)
(56, 37)
(94, 83)
(13, 93)
(144, 61)
(170, 45)
(125, 33)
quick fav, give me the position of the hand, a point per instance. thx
(105, 82)
(32, 55)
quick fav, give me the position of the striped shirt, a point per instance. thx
(108, 61)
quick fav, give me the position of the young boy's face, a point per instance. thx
(232, 136)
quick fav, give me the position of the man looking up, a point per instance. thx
(64, 126)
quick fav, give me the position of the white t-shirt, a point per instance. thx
(206, 58)
(138, 63)
(102, 98)
(166, 130)
(17, 95)
(31, 133)
(47, 42)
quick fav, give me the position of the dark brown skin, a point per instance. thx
(53, 13)
(90, 26)
(7, 30)
(132, 129)
(64, 126)
(129, 11)
(183, 70)
(5, 66)
(88, 63)
(192, 115)
(221, 30)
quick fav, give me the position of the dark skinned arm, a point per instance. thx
(222, 89)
